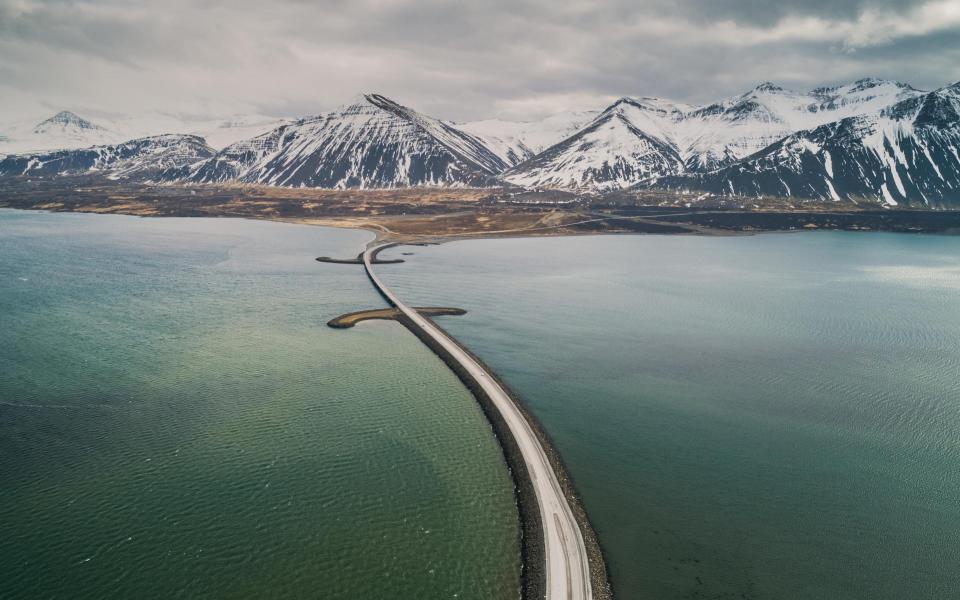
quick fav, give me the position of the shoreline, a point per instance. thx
(443, 214)
(423, 239)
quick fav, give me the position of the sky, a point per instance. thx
(510, 59)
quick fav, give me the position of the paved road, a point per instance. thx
(567, 570)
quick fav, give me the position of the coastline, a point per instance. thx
(439, 214)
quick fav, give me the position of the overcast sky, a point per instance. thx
(512, 59)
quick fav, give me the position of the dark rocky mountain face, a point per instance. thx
(230, 163)
(908, 154)
(143, 158)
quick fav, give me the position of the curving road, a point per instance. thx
(567, 571)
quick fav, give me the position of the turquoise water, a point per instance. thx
(177, 421)
(775, 416)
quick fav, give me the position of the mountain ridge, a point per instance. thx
(371, 142)
(142, 159)
(713, 135)
(906, 153)
(869, 140)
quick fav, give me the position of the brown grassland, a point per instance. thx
(437, 214)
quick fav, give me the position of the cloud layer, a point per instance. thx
(458, 60)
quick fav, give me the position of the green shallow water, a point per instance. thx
(775, 416)
(177, 421)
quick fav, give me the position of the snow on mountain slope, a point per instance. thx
(221, 133)
(711, 136)
(67, 130)
(65, 123)
(142, 158)
(871, 139)
(232, 162)
(372, 142)
(720, 133)
(63, 130)
(516, 141)
(218, 132)
(908, 153)
(621, 147)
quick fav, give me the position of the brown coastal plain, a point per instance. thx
(428, 215)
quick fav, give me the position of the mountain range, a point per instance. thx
(867, 141)
(67, 130)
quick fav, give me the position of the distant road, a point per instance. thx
(567, 571)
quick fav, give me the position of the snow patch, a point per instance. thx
(833, 192)
(886, 195)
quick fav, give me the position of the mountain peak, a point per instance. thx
(872, 82)
(368, 102)
(370, 142)
(381, 101)
(875, 81)
(861, 85)
(768, 86)
(65, 116)
(65, 119)
(647, 103)
(356, 100)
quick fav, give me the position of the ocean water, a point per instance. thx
(177, 421)
(774, 416)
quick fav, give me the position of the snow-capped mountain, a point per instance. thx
(68, 130)
(220, 133)
(703, 138)
(516, 141)
(372, 142)
(711, 136)
(63, 130)
(232, 162)
(217, 132)
(65, 122)
(624, 145)
(140, 159)
(907, 153)
(868, 140)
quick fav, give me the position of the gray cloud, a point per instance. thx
(459, 60)
(764, 12)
